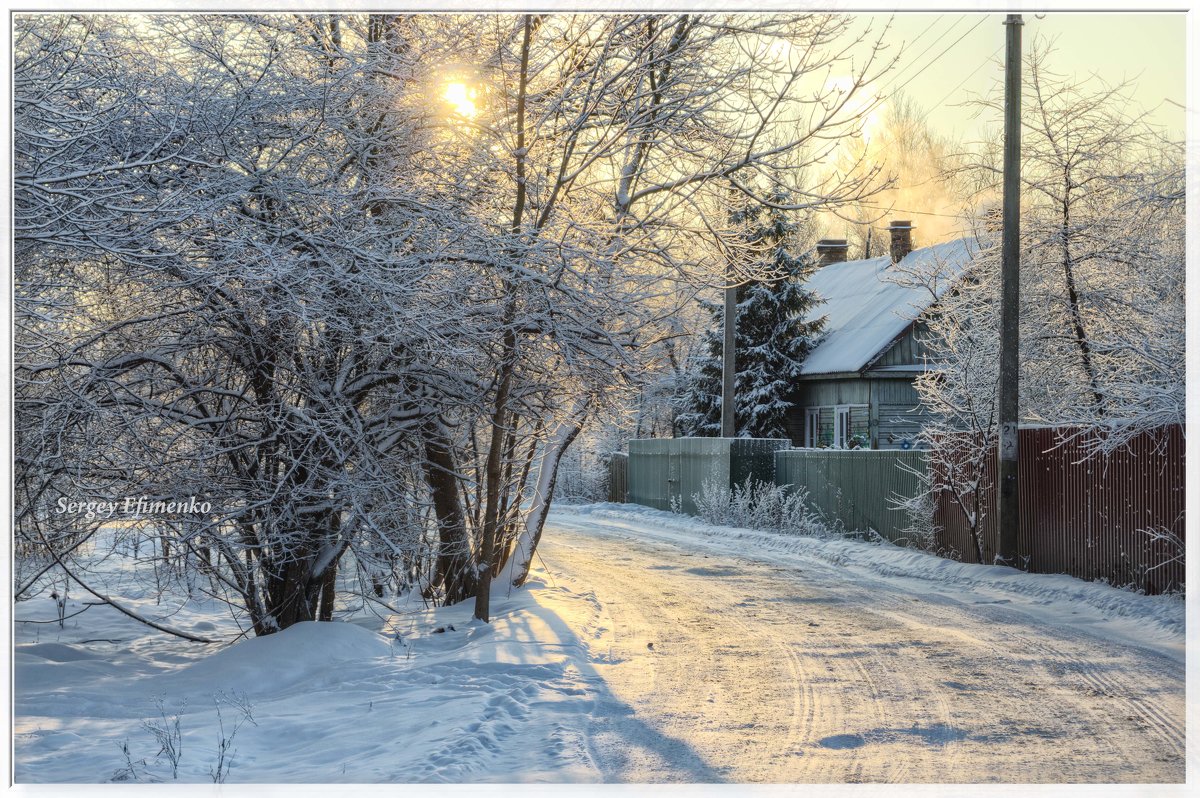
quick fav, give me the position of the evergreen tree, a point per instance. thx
(773, 334)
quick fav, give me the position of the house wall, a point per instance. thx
(891, 417)
(897, 413)
(908, 349)
(828, 394)
(888, 416)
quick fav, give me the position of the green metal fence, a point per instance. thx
(669, 471)
(860, 487)
(618, 468)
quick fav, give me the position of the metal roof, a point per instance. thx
(869, 303)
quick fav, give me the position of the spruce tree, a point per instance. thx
(773, 334)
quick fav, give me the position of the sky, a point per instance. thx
(948, 58)
(1149, 49)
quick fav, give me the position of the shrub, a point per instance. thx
(759, 505)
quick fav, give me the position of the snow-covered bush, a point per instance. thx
(759, 505)
(921, 532)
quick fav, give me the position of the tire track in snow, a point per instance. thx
(1073, 660)
(919, 687)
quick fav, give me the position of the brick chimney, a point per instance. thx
(902, 244)
(832, 250)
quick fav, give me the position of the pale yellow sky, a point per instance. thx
(1149, 49)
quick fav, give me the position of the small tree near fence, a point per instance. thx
(961, 400)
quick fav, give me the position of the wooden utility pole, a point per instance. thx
(728, 361)
(1008, 507)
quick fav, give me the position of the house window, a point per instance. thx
(841, 426)
(812, 426)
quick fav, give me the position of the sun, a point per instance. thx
(867, 107)
(462, 97)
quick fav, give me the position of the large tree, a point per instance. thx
(360, 280)
(1101, 206)
(1102, 270)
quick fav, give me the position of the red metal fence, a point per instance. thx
(1088, 516)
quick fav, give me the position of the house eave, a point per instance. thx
(895, 374)
(832, 375)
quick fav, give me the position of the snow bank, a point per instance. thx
(299, 654)
(1155, 622)
(429, 695)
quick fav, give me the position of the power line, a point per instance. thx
(917, 213)
(939, 103)
(935, 60)
(922, 54)
(917, 60)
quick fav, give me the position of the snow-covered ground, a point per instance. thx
(650, 647)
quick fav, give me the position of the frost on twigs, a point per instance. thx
(219, 771)
(166, 729)
(759, 505)
(167, 734)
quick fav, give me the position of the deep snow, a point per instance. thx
(649, 647)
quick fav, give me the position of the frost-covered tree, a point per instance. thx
(1097, 228)
(776, 329)
(239, 335)
(360, 280)
(618, 139)
(1101, 317)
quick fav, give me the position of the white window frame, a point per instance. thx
(812, 427)
(841, 426)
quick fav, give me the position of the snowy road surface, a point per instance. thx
(778, 668)
(648, 647)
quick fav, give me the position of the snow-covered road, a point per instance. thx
(742, 663)
(647, 647)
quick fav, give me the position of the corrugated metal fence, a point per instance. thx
(663, 471)
(859, 488)
(1088, 516)
(618, 476)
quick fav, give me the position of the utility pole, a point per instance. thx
(728, 361)
(1008, 507)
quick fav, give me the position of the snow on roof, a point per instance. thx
(868, 303)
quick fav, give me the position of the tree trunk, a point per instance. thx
(452, 571)
(516, 571)
(296, 595)
(1081, 338)
(508, 357)
(328, 586)
(492, 474)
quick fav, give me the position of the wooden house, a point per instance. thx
(856, 387)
